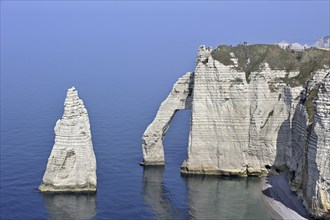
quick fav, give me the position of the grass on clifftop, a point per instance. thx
(250, 58)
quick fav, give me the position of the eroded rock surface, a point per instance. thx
(71, 165)
(309, 163)
(256, 110)
(235, 123)
(152, 141)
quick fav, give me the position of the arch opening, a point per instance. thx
(176, 138)
(180, 98)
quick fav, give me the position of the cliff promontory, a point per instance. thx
(71, 165)
(255, 110)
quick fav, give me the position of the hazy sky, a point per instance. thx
(209, 22)
(140, 39)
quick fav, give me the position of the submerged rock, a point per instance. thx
(71, 165)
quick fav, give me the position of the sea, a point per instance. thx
(119, 113)
(123, 59)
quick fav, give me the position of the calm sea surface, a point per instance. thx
(125, 189)
(123, 57)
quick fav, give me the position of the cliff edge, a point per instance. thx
(245, 117)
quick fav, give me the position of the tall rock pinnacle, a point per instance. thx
(71, 165)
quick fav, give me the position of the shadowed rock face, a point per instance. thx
(309, 162)
(251, 115)
(71, 165)
(319, 153)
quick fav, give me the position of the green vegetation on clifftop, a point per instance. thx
(251, 57)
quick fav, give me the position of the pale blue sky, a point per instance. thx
(129, 42)
(123, 58)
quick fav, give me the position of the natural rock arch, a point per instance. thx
(152, 140)
(242, 120)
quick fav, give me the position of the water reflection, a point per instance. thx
(70, 206)
(157, 196)
(212, 197)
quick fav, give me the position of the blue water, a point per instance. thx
(125, 189)
(123, 58)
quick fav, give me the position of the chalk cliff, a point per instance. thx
(71, 165)
(309, 153)
(250, 116)
(235, 123)
(152, 140)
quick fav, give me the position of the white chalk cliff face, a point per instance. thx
(309, 162)
(254, 122)
(71, 165)
(234, 124)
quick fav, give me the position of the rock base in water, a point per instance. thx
(71, 165)
(50, 188)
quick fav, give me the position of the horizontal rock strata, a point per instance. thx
(255, 110)
(235, 124)
(152, 139)
(71, 165)
(309, 163)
